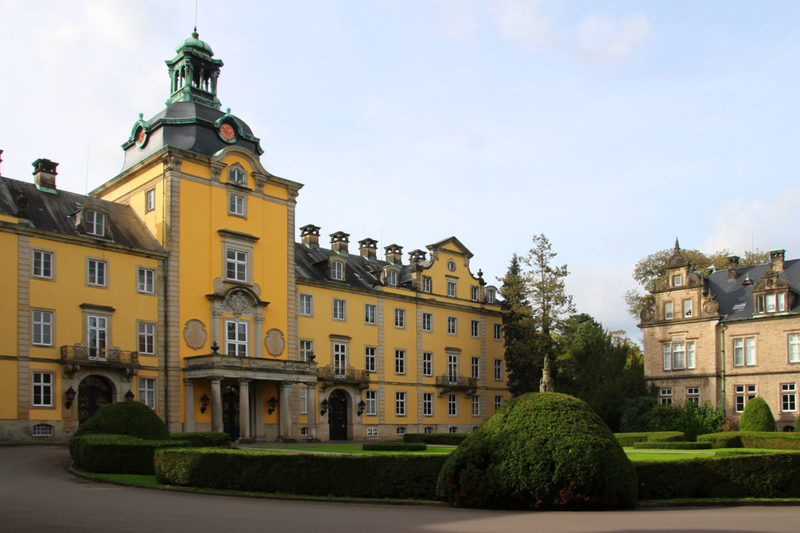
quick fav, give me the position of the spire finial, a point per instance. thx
(677, 245)
(194, 33)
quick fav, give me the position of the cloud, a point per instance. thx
(458, 19)
(522, 22)
(601, 38)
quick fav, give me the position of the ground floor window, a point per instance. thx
(428, 430)
(372, 431)
(788, 397)
(401, 430)
(693, 395)
(742, 395)
(665, 396)
(43, 430)
(147, 392)
(453, 429)
(42, 389)
(304, 432)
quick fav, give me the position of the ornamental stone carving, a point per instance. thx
(274, 342)
(194, 333)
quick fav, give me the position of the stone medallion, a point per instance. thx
(194, 333)
(274, 342)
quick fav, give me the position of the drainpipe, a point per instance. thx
(723, 389)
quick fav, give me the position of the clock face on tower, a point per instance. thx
(227, 132)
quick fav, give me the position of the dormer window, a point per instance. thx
(771, 303)
(391, 278)
(677, 280)
(490, 296)
(95, 223)
(337, 270)
(237, 175)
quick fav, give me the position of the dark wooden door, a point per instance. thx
(337, 406)
(230, 410)
(93, 393)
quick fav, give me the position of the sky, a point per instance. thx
(610, 127)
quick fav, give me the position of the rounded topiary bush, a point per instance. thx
(125, 418)
(757, 416)
(540, 450)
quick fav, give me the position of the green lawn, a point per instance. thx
(351, 448)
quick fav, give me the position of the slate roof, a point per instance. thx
(56, 213)
(736, 299)
(360, 273)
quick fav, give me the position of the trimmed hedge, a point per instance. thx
(355, 476)
(449, 439)
(395, 446)
(125, 418)
(745, 476)
(678, 445)
(208, 439)
(726, 439)
(775, 440)
(757, 416)
(628, 439)
(120, 454)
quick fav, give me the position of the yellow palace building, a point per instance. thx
(178, 283)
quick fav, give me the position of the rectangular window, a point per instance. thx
(678, 356)
(237, 205)
(306, 304)
(147, 392)
(427, 363)
(96, 274)
(498, 370)
(770, 301)
(474, 328)
(339, 309)
(42, 264)
(667, 357)
(473, 292)
(451, 288)
(427, 430)
(691, 360)
(145, 280)
(794, 347)
(476, 367)
(337, 270)
(788, 397)
(339, 359)
(781, 301)
(687, 308)
(452, 367)
(744, 351)
(400, 318)
(490, 296)
(427, 322)
(236, 265)
(400, 403)
(665, 396)
(149, 200)
(371, 399)
(498, 332)
(401, 431)
(427, 284)
(667, 310)
(42, 328)
(427, 404)
(146, 333)
(372, 431)
(452, 405)
(369, 359)
(392, 276)
(742, 395)
(42, 389)
(452, 325)
(399, 361)
(304, 401)
(95, 223)
(369, 313)
(498, 402)
(306, 350)
(96, 336)
(236, 338)
(476, 405)
(677, 280)
(693, 395)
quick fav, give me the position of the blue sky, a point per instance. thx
(612, 127)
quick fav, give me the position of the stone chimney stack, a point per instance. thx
(44, 174)
(733, 264)
(339, 242)
(776, 258)
(368, 248)
(416, 257)
(309, 235)
(394, 254)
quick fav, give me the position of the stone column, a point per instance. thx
(244, 409)
(311, 391)
(216, 404)
(258, 333)
(188, 405)
(285, 411)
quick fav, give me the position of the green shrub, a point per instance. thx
(726, 439)
(355, 476)
(207, 439)
(757, 416)
(635, 415)
(770, 440)
(125, 418)
(744, 476)
(121, 454)
(539, 450)
(450, 439)
(395, 446)
(628, 439)
(690, 419)
(680, 445)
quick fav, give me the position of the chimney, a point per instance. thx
(733, 264)
(416, 257)
(394, 254)
(339, 242)
(776, 258)
(309, 235)
(44, 174)
(368, 248)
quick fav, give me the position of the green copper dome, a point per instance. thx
(194, 42)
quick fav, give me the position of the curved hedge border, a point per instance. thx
(775, 440)
(395, 446)
(119, 454)
(204, 439)
(448, 439)
(357, 476)
(678, 445)
(628, 439)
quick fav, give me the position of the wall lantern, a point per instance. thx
(361, 406)
(129, 396)
(70, 395)
(324, 406)
(311, 357)
(204, 401)
(273, 403)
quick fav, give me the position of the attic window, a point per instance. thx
(237, 175)
(95, 223)
(490, 296)
(677, 280)
(391, 277)
(337, 270)
(771, 303)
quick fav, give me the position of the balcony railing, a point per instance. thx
(333, 374)
(76, 355)
(451, 382)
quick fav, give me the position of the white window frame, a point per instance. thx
(498, 332)
(452, 405)
(372, 431)
(339, 309)
(475, 367)
(498, 370)
(788, 397)
(339, 351)
(147, 392)
(427, 322)
(145, 280)
(304, 401)
(146, 336)
(237, 204)
(306, 349)
(237, 264)
(427, 363)
(370, 314)
(401, 430)
(337, 270)
(743, 394)
(677, 280)
(42, 322)
(475, 328)
(427, 284)
(42, 266)
(399, 318)
(42, 392)
(94, 223)
(96, 272)
(370, 359)
(490, 296)
(391, 277)
(668, 311)
(452, 288)
(452, 367)
(97, 333)
(452, 325)
(678, 356)
(238, 344)
(149, 200)
(237, 175)
(474, 292)
(693, 395)
(427, 404)
(498, 402)
(306, 304)
(399, 361)
(687, 308)
(476, 405)
(665, 396)
(744, 351)
(793, 347)
(400, 403)
(371, 401)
